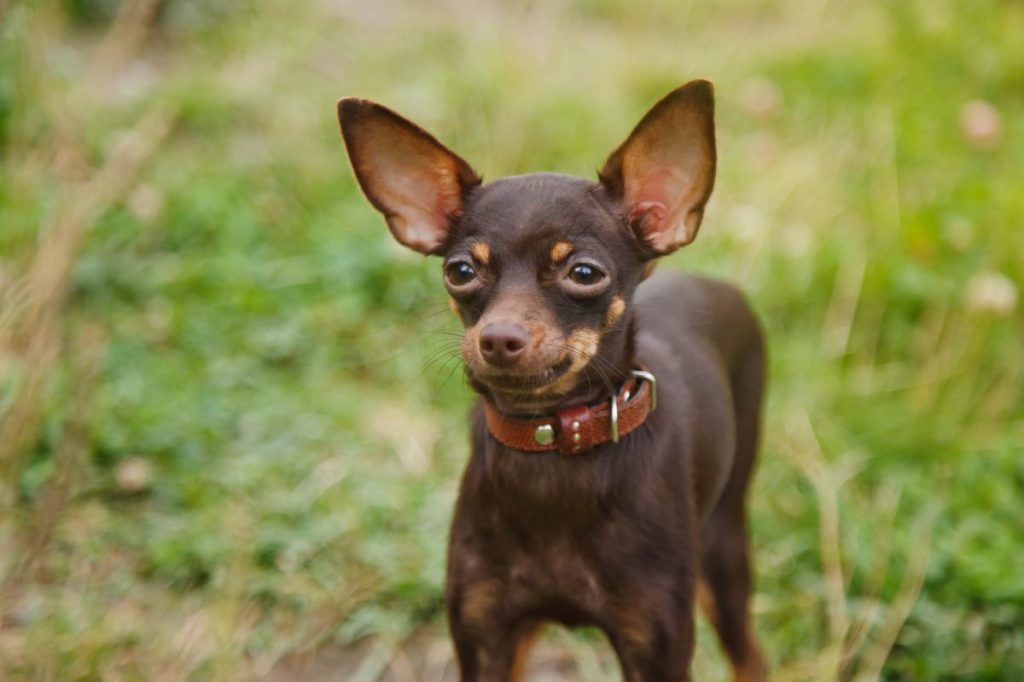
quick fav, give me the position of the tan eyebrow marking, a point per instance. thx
(481, 251)
(615, 311)
(559, 251)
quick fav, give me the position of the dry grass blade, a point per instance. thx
(376, 662)
(808, 456)
(31, 320)
(69, 457)
(30, 335)
(842, 307)
(910, 587)
(888, 504)
(123, 40)
(33, 337)
(846, 640)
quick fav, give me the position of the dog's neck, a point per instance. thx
(602, 376)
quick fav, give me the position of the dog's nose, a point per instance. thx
(503, 343)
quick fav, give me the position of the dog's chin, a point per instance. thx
(520, 383)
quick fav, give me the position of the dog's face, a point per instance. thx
(541, 268)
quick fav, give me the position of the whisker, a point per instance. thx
(440, 354)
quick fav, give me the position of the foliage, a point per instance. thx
(273, 441)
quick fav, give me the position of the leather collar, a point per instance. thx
(580, 428)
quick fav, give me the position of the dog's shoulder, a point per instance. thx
(681, 310)
(695, 298)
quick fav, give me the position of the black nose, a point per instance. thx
(503, 343)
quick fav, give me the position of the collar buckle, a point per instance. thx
(647, 376)
(614, 402)
(615, 418)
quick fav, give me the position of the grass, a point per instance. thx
(232, 439)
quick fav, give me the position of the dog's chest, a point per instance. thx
(557, 575)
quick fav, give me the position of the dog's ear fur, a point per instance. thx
(415, 181)
(663, 173)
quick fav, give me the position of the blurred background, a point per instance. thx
(230, 434)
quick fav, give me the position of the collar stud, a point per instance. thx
(545, 434)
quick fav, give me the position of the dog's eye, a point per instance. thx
(585, 274)
(459, 273)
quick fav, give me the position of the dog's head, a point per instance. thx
(541, 268)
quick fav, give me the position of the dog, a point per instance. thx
(618, 421)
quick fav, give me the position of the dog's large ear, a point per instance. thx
(415, 181)
(664, 171)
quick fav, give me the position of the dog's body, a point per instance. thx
(611, 539)
(544, 271)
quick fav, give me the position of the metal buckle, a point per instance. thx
(647, 376)
(615, 419)
(641, 374)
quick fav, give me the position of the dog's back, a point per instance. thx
(703, 336)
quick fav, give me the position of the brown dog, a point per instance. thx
(618, 423)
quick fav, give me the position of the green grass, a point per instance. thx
(265, 349)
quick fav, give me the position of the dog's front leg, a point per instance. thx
(486, 638)
(499, 657)
(654, 642)
(482, 660)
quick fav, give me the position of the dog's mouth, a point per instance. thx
(529, 383)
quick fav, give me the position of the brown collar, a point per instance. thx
(578, 429)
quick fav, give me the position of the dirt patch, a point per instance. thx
(425, 657)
